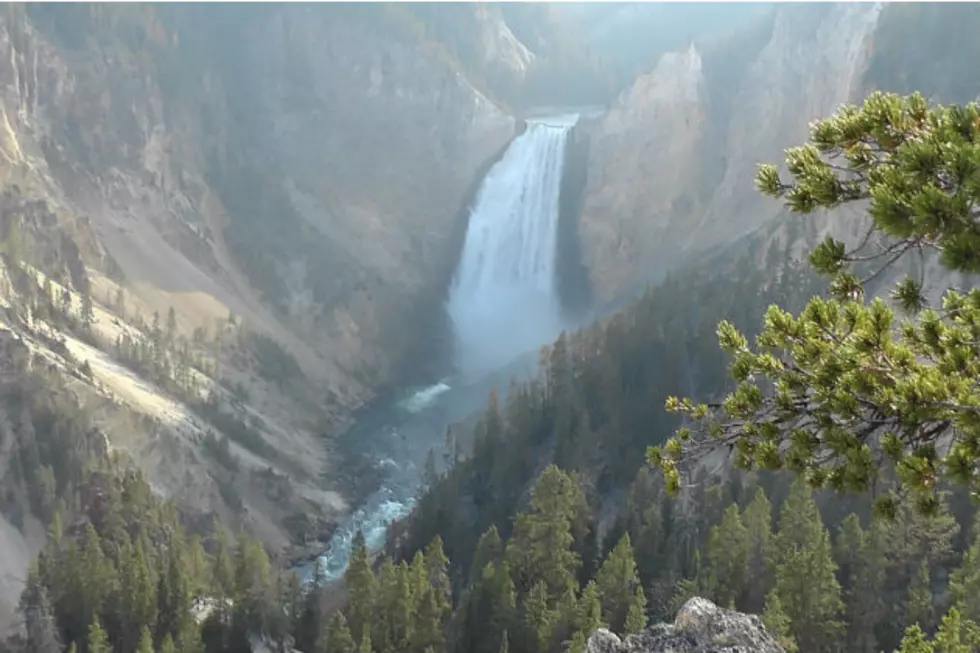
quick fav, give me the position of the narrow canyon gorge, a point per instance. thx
(293, 248)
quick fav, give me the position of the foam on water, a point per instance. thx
(424, 398)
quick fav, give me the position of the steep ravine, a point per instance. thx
(292, 172)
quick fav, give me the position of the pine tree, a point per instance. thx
(540, 548)
(918, 609)
(430, 474)
(42, 634)
(538, 620)
(92, 581)
(189, 637)
(146, 641)
(137, 598)
(173, 591)
(616, 582)
(336, 637)
(223, 569)
(799, 522)
(427, 631)
(167, 645)
(66, 304)
(500, 598)
(436, 565)
(587, 618)
(394, 621)
(809, 593)
(957, 635)
(777, 623)
(848, 546)
(964, 583)
(365, 646)
(687, 588)
(911, 537)
(254, 608)
(361, 585)
(636, 615)
(309, 631)
(865, 606)
(758, 526)
(728, 554)
(647, 525)
(489, 549)
(98, 641)
(834, 366)
(915, 641)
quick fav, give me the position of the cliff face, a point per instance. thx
(642, 156)
(304, 173)
(300, 167)
(284, 180)
(674, 159)
(368, 143)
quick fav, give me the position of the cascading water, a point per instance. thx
(503, 303)
(503, 300)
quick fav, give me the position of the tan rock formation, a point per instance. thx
(669, 176)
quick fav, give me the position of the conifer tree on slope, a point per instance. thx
(361, 584)
(586, 619)
(336, 637)
(862, 558)
(758, 525)
(540, 549)
(98, 641)
(910, 538)
(146, 641)
(728, 555)
(955, 635)
(806, 580)
(856, 391)
(918, 607)
(778, 623)
(42, 634)
(616, 584)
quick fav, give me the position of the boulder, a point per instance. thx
(700, 627)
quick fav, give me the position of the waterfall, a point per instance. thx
(503, 300)
(503, 303)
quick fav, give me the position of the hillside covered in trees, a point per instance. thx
(554, 526)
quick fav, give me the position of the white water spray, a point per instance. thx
(503, 301)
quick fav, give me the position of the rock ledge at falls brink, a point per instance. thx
(700, 627)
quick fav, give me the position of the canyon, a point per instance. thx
(294, 185)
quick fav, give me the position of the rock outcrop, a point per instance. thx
(700, 627)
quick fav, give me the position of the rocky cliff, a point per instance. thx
(242, 218)
(673, 160)
(700, 627)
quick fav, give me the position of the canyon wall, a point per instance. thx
(673, 160)
(281, 185)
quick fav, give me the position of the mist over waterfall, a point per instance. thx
(503, 301)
